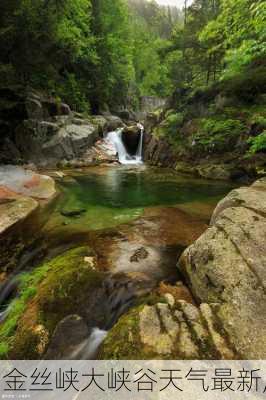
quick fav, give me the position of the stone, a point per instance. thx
(68, 335)
(15, 211)
(219, 341)
(34, 108)
(150, 331)
(73, 213)
(139, 254)
(131, 138)
(170, 325)
(64, 109)
(113, 123)
(26, 182)
(227, 266)
(70, 141)
(212, 171)
(159, 331)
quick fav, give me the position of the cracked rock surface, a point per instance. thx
(227, 266)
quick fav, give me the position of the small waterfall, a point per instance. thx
(116, 145)
(95, 340)
(88, 349)
(140, 146)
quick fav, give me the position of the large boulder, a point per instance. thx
(26, 182)
(69, 334)
(71, 141)
(62, 289)
(131, 138)
(113, 123)
(19, 218)
(226, 266)
(172, 329)
(48, 142)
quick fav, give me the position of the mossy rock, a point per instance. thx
(58, 288)
(123, 341)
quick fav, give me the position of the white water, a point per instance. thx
(115, 146)
(88, 349)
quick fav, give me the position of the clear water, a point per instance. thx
(110, 196)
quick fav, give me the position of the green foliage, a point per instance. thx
(51, 285)
(259, 120)
(27, 290)
(218, 135)
(169, 127)
(258, 143)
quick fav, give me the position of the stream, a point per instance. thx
(137, 219)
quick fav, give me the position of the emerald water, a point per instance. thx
(110, 196)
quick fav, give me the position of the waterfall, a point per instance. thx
(140, 146)
(116, 146)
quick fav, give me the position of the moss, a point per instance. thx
(123, 340)
(55, 289)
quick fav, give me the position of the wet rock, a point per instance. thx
(15, 211)
(26, 182)
(160, 331)
(70, 286)
(113, 123)
(73, 213)
(219, 172)
(227, 265)
(131, 138)
(139, 254)
(68, 335)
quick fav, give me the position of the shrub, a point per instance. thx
(258, 143)
(218, 135)
(168, 128)
(259, 120)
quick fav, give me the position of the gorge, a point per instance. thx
(132, 180)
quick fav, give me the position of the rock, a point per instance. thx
(158, 152)
(64, 304)
(68, 335)
(131, 138)
(16, 232)
(18, 209)
(15, 211)
(72, 213)
(161, 331)
(101, 122)
(64, 109)
(219, 172)
(151, 120)
(139, 254)
(34, 108)
(26, 182)
(127, 115)
(113, 123)
(70, 141)
(227, 266)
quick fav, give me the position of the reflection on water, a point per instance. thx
(109, 196)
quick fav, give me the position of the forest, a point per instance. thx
(132, 179)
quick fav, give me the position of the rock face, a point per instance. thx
(46, 131)
(131, 138)
(226, 268)
(173, 329)
(19, 191)
(68, 335)
(158, 152)
(26, 182)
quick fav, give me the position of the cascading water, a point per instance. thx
(115, 145)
